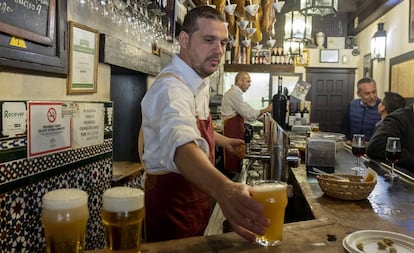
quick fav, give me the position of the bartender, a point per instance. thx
(234, 111)
(179, 140)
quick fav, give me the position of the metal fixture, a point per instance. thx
(379, 43)
(298, 31)
(318, 7)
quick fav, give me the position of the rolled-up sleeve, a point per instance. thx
(169, 108)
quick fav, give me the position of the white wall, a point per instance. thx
(396, 24)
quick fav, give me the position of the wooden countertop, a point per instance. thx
(123, 169)
(335, 217)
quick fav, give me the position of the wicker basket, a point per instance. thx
(351, 187)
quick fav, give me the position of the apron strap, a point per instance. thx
(141, 134)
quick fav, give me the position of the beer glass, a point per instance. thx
(64, 217)
(273, 195)
(122, 216)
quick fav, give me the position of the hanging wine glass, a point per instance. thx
(393, 154)
(243, 24)
(278, 5)
(246, 42)
(258, 46)
(251, 30)
(252, 9)
(230, 8)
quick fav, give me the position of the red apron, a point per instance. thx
(234, 128)
(175, 208)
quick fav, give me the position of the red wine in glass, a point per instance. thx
(358, 151)
(393, 156)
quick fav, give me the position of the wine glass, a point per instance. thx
(393, 154)
(358, 150)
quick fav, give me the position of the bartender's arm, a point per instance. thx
(243, 213)
(230, 144)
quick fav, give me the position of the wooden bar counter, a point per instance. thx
(389, 207)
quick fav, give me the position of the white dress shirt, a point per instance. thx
(233, 104)
(168, 110)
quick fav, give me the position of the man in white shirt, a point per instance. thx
(179, 142)
(234, 111)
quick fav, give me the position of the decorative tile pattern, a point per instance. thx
(13, 143)
(20, 210)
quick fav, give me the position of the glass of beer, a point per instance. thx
(122, 216)
(64, 217)
(273, 195)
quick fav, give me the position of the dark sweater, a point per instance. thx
(399, 123)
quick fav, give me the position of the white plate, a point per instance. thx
(369, 238)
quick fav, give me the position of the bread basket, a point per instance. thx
(348, 187)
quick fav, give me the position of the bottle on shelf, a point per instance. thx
(279, 102)
(292, 115)
(286, 93)
(305, 114)
(228, 55)
(282, 57)
(253, 57)
(273, 56)
(278, 55)
(298, 114)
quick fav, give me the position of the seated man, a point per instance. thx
(391, 102)
(399, 123)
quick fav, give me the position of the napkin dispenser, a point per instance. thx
(320, 153)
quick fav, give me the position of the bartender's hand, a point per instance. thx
(243, 213)
(231, 144)
(235, 146)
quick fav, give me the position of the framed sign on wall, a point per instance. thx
(83, 59)
(329, 55)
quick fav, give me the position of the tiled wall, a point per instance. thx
(24, 181)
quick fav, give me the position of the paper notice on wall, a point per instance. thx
(88, 124)
(13, 119)
(301, 90)
(48, 130)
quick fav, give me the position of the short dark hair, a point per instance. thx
(203, 11)
(365, 80)
(393, 101)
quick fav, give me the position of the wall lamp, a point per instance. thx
(379, 43)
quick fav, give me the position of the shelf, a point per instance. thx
(261, 68)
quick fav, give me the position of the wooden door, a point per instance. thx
(330, 93)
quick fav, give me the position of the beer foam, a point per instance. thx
(123, 199)
(64, 199)
(266, 187)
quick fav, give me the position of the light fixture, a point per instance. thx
(294, 48)
(318, 7)
(379, 43)
(298, 27)
(298, 31)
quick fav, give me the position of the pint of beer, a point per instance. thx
(122, 215)
(64, 216)
(273, 195)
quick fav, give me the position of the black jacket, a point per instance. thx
(399, 123)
